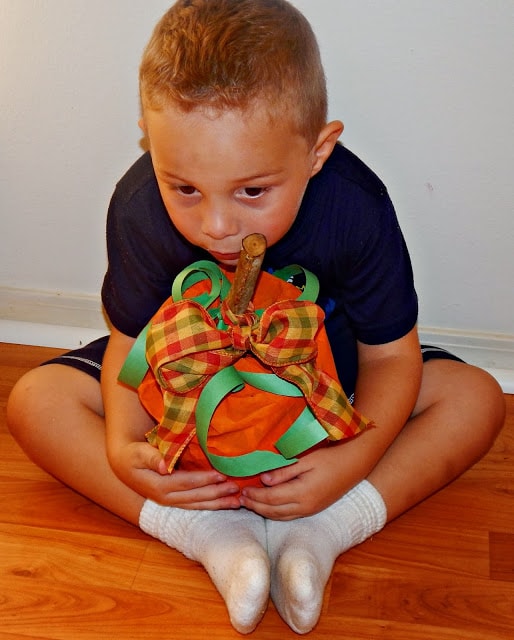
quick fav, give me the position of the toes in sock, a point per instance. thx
(303, 552)
(301, 566)
(245, 587)
(231, 547)
(297, 590)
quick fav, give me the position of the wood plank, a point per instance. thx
(502, 556)
(454, 551)
(60, 556)
(47, 503)
(425, 597)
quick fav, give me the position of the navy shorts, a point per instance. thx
(89, 358)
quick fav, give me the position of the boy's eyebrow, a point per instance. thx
(243, 180)
(259, 176)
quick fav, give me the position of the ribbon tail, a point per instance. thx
(177, 427)
(327, 400)
(171, 450)
(354, 422)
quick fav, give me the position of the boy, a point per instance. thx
(234, 110)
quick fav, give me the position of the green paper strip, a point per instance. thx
(303, 434)
(135, 366)
(311, 289)
(198, 271)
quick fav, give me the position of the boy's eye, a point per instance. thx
(186, 190)
(253, 192)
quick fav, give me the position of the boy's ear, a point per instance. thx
(325, 143)
(144, 143)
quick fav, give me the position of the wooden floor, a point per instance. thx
(68, 569)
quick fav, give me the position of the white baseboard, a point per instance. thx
(487, 350)
(51, 307)
(50, 319)
(490, 351)
(66, 321)
(47, 335)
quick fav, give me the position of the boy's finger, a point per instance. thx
(186, 480)
(213, 496)
(278, 476)
(287, 511)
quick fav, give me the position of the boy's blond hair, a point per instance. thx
(231, 54)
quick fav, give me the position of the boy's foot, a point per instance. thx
(303, 551)
(231, 547)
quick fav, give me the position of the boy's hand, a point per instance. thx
(140, 466)
(316, 481)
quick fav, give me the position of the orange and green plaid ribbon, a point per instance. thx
(185, 348)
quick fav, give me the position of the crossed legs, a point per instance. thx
(56, 415)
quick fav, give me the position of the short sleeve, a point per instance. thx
(377, 281)
(144, 250)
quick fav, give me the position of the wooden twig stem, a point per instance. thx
(247, 272)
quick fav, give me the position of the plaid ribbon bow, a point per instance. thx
(185, 348)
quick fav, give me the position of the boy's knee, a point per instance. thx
(22, 399)
(490, 395)
(468, 397)
(46, 392)
(29, 397)
(482, 403)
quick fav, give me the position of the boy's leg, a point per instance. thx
(459, 412)
(55, 412)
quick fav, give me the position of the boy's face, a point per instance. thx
(224, 176)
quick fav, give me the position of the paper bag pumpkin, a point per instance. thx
(244, 394)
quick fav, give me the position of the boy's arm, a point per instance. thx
(387, 388)
(137, 463)
(126, 419)
(388, 385)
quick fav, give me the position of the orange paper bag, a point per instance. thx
(241, 393)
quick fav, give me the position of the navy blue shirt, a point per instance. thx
(346, 232)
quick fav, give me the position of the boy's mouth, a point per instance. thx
(225, 257)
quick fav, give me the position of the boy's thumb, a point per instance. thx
(155, 461)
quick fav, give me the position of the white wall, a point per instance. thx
(424, 88)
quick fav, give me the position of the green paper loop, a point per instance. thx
(303, 434)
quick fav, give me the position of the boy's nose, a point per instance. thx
(218, 222)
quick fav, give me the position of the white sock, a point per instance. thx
(231, 546)
(303, 551)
